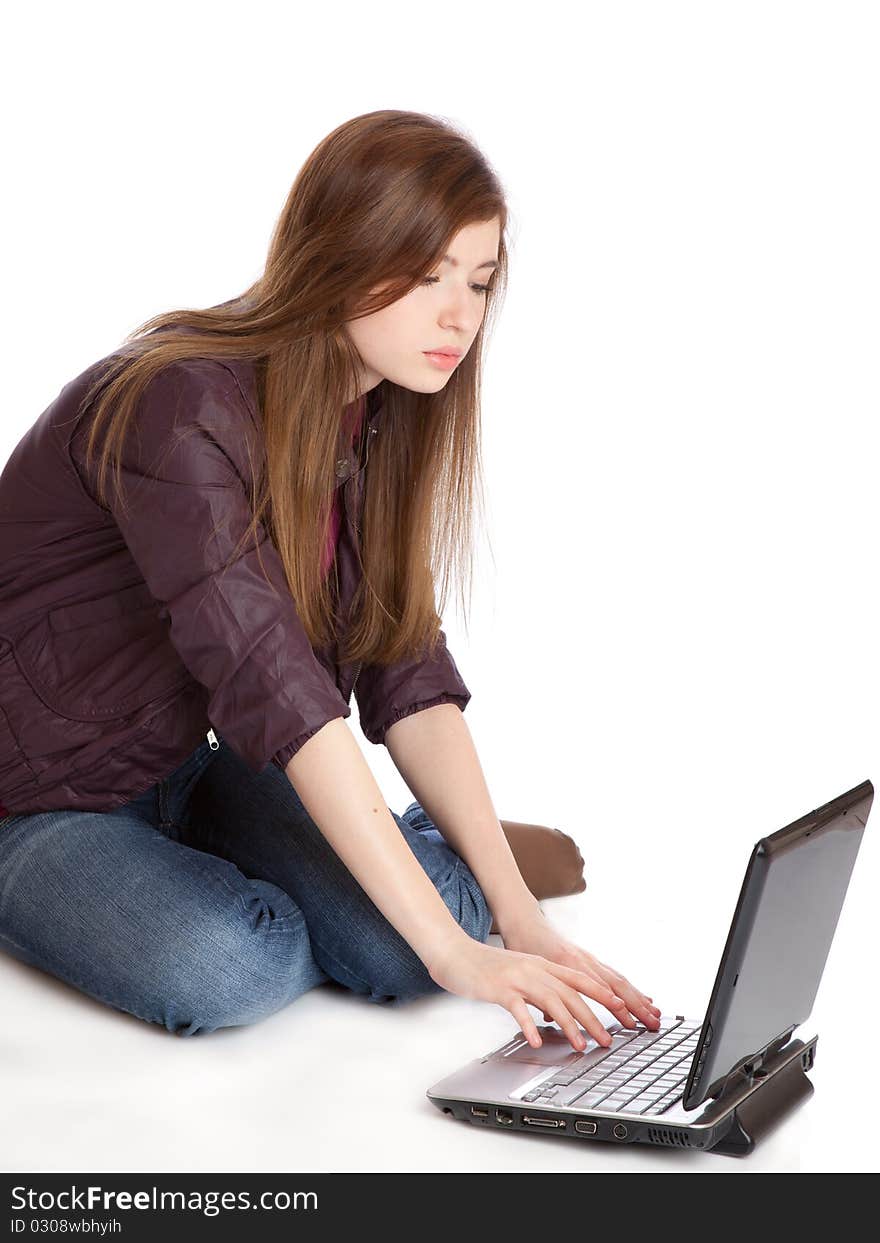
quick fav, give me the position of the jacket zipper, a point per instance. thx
(212, 739)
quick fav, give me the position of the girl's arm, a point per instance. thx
(435, 755)
(335, 785)
(434, 752)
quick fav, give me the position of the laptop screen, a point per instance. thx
(782, 929)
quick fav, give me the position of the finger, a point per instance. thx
(520, 1012)
(611, 998)
(600, 989)
(591, 985)
(637, 1001)
(626, 1017)
(643, 998)
(647, 1014)
(617, 1006)
(583, 1011)
(555, 1006)
(640, 1004)
(562, 1012)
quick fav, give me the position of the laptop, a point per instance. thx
(718, 1083)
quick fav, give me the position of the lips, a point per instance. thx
(448, 353)
(442, 359)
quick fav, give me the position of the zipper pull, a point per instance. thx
(212, 739)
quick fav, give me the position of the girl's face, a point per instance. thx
(443, 313)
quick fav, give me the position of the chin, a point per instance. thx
(424, 384)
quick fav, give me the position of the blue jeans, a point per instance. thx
(212, 900)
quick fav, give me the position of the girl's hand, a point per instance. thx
(533, 934)
(512, 979)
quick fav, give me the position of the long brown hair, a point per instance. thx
(376, 204)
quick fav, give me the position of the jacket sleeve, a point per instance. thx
(386, 693)
(187, 506)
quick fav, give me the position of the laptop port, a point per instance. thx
(620, 1131)
(538, 1121)
(504, 1116)
(479, 1112)
(586, 1128)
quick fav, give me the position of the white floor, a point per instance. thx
(331, 1083)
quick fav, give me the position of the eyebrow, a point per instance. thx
(490, 263)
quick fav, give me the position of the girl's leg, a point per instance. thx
(260, 824)
(112, 905)
(548, 859)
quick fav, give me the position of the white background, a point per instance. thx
(672, 645)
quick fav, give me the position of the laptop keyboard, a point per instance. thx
(644, 1071)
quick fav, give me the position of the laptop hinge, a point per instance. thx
(744, 1071)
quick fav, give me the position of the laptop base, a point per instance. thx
(731, 1126)
(780, 1093)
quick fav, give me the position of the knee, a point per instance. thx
(242, 975)
(472, 911)
(403, 976)
(457, 884)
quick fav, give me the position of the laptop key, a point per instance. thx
(589, 1099)
(614, 1102)
(563, 1078)
(626, 1102)
(588, 1081)
(640, 1103)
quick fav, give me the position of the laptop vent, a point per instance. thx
(660, 1135)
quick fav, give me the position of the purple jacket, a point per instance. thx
(123, 641)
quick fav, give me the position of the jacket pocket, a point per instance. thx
(100, 659)
(108, 608)
(44, 751)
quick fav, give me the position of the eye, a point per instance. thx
(481, 289)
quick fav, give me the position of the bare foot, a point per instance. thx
(549, 861)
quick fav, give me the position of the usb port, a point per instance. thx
(479, 1112)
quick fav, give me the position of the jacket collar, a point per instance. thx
(346, 463)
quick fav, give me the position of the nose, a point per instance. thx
(459, 312)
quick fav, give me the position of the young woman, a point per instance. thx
(210, 541)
